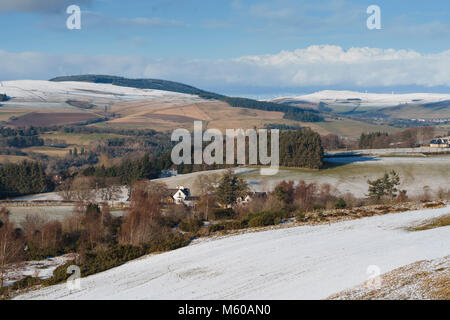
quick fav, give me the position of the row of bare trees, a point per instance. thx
(91, 189)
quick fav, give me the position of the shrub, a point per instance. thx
(318, 206)
(236, 225)
(190, 225)
(223, 214)
(266, 218)
(59, 274)
(229, 225)
(24, 283)
(300, 216)
(340, 204)
(169, 242)
(216, 227)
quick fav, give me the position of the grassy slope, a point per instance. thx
(415, 175)
(348, 128)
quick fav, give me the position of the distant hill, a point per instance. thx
(433, 110)
(290, 112)
(154, 84)
(359, 99)
(399, 110)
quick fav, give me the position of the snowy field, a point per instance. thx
(48, 91)
(308, 262)
(350, 174)
(41, 269)
(369, 99)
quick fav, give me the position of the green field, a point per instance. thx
(416, 173)
(348, 128)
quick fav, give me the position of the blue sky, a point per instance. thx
(208, 43)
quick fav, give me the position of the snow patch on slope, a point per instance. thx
(307, 262)
(378, 99)
(44, 91)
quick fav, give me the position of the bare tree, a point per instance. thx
(83, 189)
(110, 189)
(64, 190)
(206, 185)
(11, 243)
(143, 220)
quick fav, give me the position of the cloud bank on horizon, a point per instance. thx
(321, 66)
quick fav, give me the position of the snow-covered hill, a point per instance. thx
(367, 99)
(48, 91)
(308, 262)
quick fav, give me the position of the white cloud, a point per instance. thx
(313, 66)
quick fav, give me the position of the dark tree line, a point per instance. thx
(20, 137)
(20, 132)
(301, 148)
(22, 179)
(292, 113)
(373, 140)
(131, 171)
(408, 138)
(24, 142)
(124, 132)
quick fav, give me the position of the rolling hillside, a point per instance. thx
(164, 105)
(373, 105)
(290, 112)
(306, 262)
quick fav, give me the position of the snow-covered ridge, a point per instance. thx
(45, 91)
(332, 96)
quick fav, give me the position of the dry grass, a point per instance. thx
(43, 119)
(49, 151)
(432, 224)
(347, 128)
(423, 280)
(12, 159)
(167, 115)
(80, 139)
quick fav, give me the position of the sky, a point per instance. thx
(242, 47)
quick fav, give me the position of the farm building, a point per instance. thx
(440, 143)
(182, 195)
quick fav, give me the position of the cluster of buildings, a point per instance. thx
(440, 142)
(182, 196)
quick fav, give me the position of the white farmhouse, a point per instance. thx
(183, 196)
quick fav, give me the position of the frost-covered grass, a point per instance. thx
(350, 174)
(45, 91)
(422, 280)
